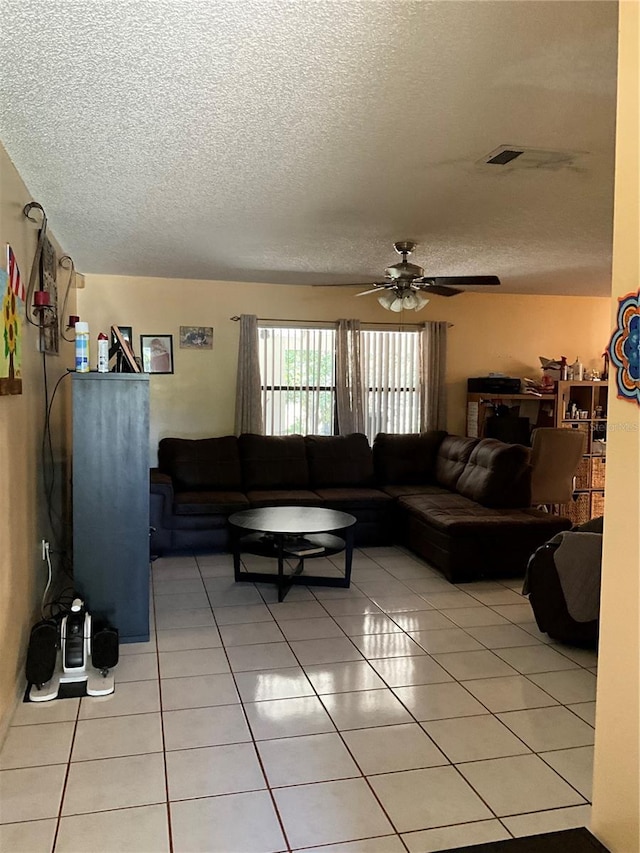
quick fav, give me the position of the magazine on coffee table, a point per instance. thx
(300, 546)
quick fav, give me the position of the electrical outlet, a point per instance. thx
(45, 549)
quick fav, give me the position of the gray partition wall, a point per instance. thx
(111, 498)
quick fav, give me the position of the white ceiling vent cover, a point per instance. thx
(506, 158)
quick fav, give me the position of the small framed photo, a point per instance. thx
(196, 337)
(157, 353)
(126, 332)
(122, 349)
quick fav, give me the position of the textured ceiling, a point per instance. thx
(265, 140)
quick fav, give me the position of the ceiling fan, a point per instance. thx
(406, 283)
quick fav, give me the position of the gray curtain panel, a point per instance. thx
(349, 388)
(248, 384)
(433, 362)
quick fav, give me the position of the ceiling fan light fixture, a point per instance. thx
(386, 299)
(397, 301)
(410, 301)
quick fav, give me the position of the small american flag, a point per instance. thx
(15, 282)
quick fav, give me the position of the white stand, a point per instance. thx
(98, 683)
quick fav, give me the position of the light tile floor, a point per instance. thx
(402, 714)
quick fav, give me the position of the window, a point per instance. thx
(390, 377)
(297, 366)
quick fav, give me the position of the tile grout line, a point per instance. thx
(66, 778)
(162, 731)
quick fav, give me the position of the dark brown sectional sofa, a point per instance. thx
(461, 503)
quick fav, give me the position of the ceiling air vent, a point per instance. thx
(505, 156)
(520, 157)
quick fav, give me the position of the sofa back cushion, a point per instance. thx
(206, 464)
(497, 475)
(273, 461)
(339, 460)
(407, 459)
(451, 459)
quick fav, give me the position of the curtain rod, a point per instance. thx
(236, 319)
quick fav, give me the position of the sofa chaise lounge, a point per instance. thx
(461, 503)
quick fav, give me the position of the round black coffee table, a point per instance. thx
(292, 532)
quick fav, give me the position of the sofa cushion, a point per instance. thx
(209, 503)
(451, 459)
(402, 491)
(406, 459)
(497, 475)
(339, 460)
(273, 461)
(283, 497)
(207, 464)
(456, 514)
(358, 498)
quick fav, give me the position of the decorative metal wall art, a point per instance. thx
(624, 347)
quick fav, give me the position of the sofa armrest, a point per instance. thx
(157, 478)
(160, 510)
(162, 485)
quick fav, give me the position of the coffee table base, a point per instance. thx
(255, 544)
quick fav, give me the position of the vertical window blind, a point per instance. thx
(297, 366)
(390, 376)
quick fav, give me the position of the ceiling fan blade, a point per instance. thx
(440, 290)
(465, 280)
(373, 290)
(353, 284)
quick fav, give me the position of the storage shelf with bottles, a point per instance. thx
(583, 406)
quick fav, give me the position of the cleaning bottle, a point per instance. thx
(103, 353)
(578, 370)
(82, 347)
(564, 369)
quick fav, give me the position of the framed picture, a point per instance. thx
(196, 337)
(123, 351)
(126, 332)
(157, 353)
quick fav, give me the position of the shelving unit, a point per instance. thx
(583, 406)
(111, 498)
(539, 410)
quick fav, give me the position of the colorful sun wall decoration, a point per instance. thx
(624, 347)
(12, 295)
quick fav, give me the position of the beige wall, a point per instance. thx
(616, 804)
(492, 332)
(23, 515)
